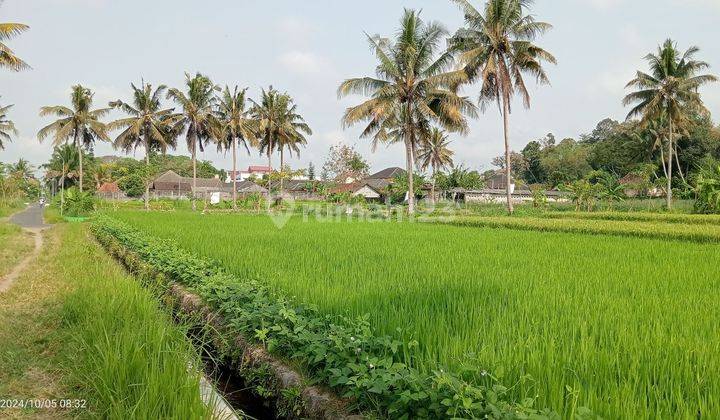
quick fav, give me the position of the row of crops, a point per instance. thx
(622, 325)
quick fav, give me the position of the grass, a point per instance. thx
(694, 232)
(14, 244)
(8, 207)
(75, 326)
(624, 326)
(691, 219)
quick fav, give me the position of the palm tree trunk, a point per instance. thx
(669, 167)
(677, 160)
(147, 168)
(432, 189)
(80, 156)
(62, 195)
(194, 164)
(282, 166)
(409, 160)
(269, 156)
(234, 180)
(508, 169)
(411, 181)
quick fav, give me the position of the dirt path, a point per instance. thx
(31, 220)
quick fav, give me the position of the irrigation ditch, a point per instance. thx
(251, 380)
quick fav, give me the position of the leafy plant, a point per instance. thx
(341, 352)
(707, 189)
(78, 203)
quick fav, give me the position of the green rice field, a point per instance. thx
(625, 326)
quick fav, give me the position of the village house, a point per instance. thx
(256, 171)
(374, 187)
(172, 185)
(110, 191)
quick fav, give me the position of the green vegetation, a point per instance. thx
(92, 333)
(622, 325)
(14, 244)
(340, 352)
(696, 232)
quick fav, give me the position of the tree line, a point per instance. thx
(414, 99)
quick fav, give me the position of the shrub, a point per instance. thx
(707, 189)
(76, 203)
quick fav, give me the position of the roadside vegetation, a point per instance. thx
(547, 314)
(76, 327)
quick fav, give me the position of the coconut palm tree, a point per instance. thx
(279, 126)
(22, 169)
(148, 125)
(234, 125)
(7, 127)
(671, 91)
(79, 123)
(434, 152)
(496, 50)
(412, 89)
(8, 59)
(198, 116)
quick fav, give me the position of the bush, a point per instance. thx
(77, 204)
(707, 189)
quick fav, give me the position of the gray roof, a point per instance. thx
(388, 173)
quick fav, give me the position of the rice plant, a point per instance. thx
(622, 325)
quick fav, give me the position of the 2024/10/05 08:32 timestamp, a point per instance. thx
(65, 404)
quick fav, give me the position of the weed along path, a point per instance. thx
(31, 221)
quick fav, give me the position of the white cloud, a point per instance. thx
(302, 62)
(604, 4)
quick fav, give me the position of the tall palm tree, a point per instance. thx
(148, 125)
(412, 89)
(79, 123)
(197, 117)
(279, 126)
(496, 49)
(234, 125)
(7, 127)
(434, 152)
(670, 90)
(8, 59)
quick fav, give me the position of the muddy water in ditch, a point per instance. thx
(235, 391)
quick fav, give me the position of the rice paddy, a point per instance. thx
(624, 326)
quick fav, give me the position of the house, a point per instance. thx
(499, 182)
(252, 171)
(110, 191)
(172, 185)
(499, 195)
(637, 186)
(373, 188)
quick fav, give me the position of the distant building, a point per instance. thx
(373, 188)
(252, 171)
(172, 185)
(635, 185)
(110, 191)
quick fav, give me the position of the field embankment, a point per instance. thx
(703, 230)
(76, 330)
(622, 325)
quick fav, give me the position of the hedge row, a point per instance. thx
(689, 219)
(666, 231)
(341, 353)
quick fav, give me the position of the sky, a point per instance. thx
(308, 48)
